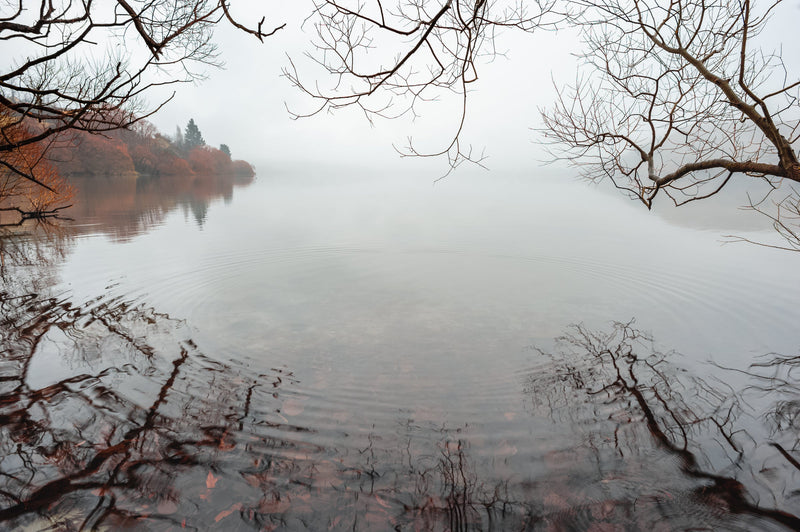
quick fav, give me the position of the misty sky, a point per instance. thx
(244, 104)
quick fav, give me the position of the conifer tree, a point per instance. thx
(192, 137)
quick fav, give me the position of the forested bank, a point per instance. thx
(77, 159)
(143, 150)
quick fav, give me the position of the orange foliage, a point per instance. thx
(16, 191)
(140, 150)
(93, 155)
(144, 160)
(174, 166)
(206, 160)
(154, 155)
(242, 169)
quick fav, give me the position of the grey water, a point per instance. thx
(330, 349)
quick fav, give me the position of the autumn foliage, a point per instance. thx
(206, 160)
(242, 169)
(34, 177)
(92, 155)
(141, 150)
(38, 193)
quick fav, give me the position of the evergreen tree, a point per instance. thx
(193, 138)
(225, 149)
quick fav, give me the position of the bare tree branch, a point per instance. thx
(426, 48)
(59, 82)
(681, 100)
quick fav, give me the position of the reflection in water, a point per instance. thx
(699, 424)
(81, 437)
(126, 208)
(112, 416)
(139, 434)
(114, 413)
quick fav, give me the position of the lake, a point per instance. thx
(355, 349)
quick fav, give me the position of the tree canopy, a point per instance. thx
(140, 151)
(27, 199)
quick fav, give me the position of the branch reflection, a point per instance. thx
(708, 427)
(112, 416)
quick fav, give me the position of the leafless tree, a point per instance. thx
(385, 59)
(85, 65)
(678, 98)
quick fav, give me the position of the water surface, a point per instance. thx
(330, 349)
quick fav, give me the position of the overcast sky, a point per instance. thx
(244, 104)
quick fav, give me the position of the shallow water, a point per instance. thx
(340, 350)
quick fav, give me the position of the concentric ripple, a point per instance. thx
(299, 359)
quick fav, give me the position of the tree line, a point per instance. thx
(143, 150)
(139, 150)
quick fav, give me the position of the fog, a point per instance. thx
(346, 341)
(245, 103)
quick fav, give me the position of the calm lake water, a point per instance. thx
(348, 350)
